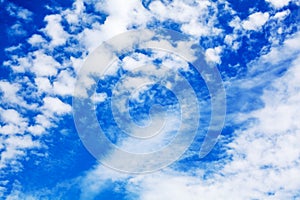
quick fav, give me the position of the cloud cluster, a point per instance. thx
(263, 156)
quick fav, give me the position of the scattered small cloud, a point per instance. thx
(19, 12)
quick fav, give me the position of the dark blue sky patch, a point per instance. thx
(5, 72)
(224, 17)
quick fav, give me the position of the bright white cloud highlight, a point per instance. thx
(213, 54)
(255, 21)
(279, 3)
(36, 39)
(55, 30)
(44, 65)
(53, 105)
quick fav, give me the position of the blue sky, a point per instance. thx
(255, 45)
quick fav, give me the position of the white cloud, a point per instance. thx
(161, 131)
(9, 129)
(13, 137)
(19, 12)
(265, 154)
(213, 54)
(14, 126)
(282, 15)
(36, 39)
(55, 30)
(76, 63)
(96, 180)
(270, 142)
(195, 18)
(92, 38)
(99, 97)
(279, 3)
(10, 95)
(36, 130)
(17, 30)
(125, 15)
(10, 92)
(169, 184)
(195, 28)
(277, 54)
(230, 40)
(11, 116)
(72, 16)
(53, 105)
(22, 63)
(13, 48)
(134, 61)
(15, 148)
(21, 142)
(187, 11)
(64, 83)
(235, 23)
(255, 21)
(44, 65)
(43, 120)
(265, 159)
(43, 84)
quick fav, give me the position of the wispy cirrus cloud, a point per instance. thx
(19, 12)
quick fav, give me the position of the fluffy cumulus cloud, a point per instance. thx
(279, 4)
(255, 21)
(44, 65)
(55, 30)
(257, 52)
(53, 105)
(36, 39)
(212, 54)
